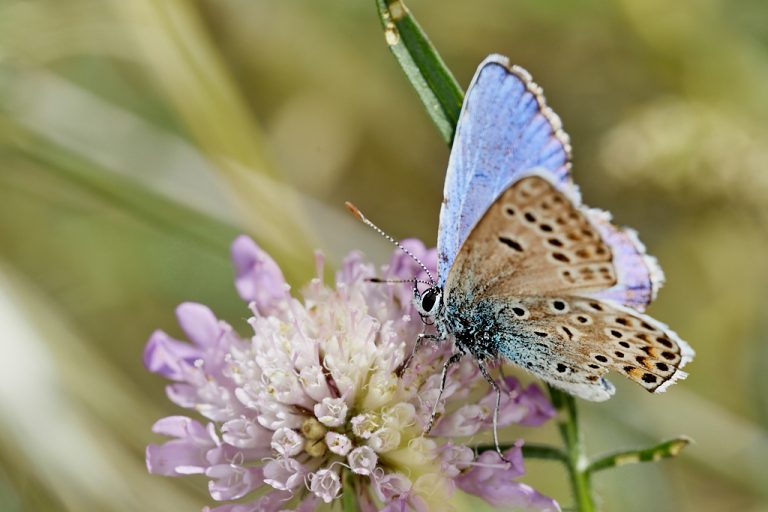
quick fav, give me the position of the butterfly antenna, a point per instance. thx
(395, 281)
(357, 213)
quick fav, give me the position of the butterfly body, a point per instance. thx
(528, 274)
(475, 327)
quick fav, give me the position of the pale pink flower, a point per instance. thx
(284, 474)
(455, 458)
(287, 442)
(325, 484)
(313, 394)
(338, 443)
(392, 486)
(331, 412)
(184, 455)
(231, 481)
(363, 460)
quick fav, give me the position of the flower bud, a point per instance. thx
(315, 447)
(313, 429)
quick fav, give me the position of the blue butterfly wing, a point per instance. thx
(505, 128)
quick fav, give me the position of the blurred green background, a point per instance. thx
(138, 137)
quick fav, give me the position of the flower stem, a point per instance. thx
(663, 450)
(349, 493)
(544, 452)
(530, 451)
(576, 459)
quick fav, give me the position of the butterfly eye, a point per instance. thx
(428, 300)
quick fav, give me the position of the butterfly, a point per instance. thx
(526, 272)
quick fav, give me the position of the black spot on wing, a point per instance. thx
(512, 244)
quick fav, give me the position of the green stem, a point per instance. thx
(349, 501)
(543, 451)
(530, 451)
(663, 450)
(576, 459)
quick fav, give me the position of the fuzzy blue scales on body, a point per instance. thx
(474, 327)
(526, 272)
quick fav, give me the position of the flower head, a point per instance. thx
(313, 398)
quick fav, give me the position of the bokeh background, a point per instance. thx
(138, 137)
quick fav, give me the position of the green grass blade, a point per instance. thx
(434, 83)
(125, 194)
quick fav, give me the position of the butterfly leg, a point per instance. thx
(404, 366)
(496, 387)
(450, 362)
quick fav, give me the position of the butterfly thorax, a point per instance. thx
(473, 326)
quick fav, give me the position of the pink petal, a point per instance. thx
(180, 426)
(540, 409)
(183, 455)
(183, 395)
(257, 277)
(199, 324)
(496, 482)
(232, 482)
(464, 421)
(529, 406)
(165, 356)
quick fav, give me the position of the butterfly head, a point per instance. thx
(429, 303)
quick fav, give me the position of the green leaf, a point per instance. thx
(664, 450)
(434, 83)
